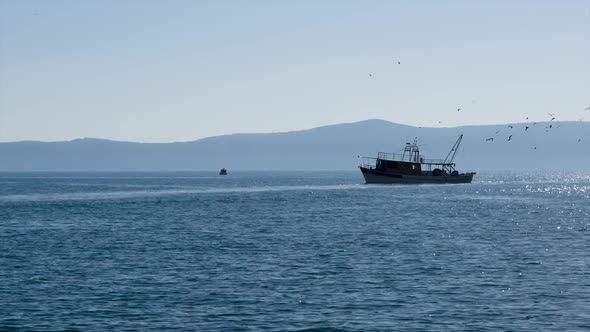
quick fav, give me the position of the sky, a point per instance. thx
(180, 70)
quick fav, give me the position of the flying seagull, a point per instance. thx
(489, 139)
(509, 126)
(458, 109)
(509, 138)
(370, 75)
(587, 108)
(526, 128)
(551, 114)
(552, 119)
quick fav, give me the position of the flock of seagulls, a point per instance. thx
(526, 128)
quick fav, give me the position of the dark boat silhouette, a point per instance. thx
(412, 168)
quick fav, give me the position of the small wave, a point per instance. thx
(168, 192)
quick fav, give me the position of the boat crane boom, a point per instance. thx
(453, 151)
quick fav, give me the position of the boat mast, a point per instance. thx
(453, 151)
(415, 152)
(412, 150)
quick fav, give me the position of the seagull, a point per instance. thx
(510, 127)
(587, 108)
(370, 75)
(458, 109)
(489, 139)
(509, 138)
(399, 63)
(551, 114)
(579, 140)
(550, 126)
(552, 119)
(527, 117)
(535, 148)
(526, 128)
(440, 122)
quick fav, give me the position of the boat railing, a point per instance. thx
(399, 157)
(390, 156)
(387, 156)
(432, 161)
(368, 162)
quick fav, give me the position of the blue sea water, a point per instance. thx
(293, 251)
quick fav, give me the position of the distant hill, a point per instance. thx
(334, 147)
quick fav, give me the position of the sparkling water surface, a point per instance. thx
(293, 251)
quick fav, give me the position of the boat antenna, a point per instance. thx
(453, 151)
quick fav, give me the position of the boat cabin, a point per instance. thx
(402, 167)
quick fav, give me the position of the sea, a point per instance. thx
(293, 251)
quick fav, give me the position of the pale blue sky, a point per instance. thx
(160, 71)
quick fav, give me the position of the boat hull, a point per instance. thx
(375, 176)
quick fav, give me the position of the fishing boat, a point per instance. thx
(223, 171)
(410, 167)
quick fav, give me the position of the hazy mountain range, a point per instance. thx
(564, 145)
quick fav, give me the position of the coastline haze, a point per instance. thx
(564, 146)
